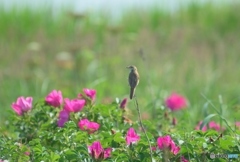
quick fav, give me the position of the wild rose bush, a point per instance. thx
(63, 129)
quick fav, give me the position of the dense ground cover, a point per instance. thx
(193, 52)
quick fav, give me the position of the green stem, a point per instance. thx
(140, 122)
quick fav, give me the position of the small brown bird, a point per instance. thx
(133, 79)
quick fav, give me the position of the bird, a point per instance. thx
(133, 79)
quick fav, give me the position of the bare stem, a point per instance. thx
(140, 122)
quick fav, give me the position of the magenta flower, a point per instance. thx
(163, 142)
(183, 159)
(91, 93)
(166, 142)
(97, 152)
(54, 98)
(211, 125)
(88, 126)
(131, 136)
(107, 152)
(22, 105)
(123, 103)
(63, 117)
(175, 102)
(74, 105)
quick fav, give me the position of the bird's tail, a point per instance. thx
(132, 91)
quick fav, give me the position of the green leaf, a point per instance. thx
(118, 138)
(81, 136)
(204, 145)
(54, 156)
(227, 142)
(70, 155)
(211, 132)
(206, 120)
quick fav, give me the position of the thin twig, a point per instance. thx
(140, 121)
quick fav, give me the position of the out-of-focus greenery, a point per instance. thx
(193, 51)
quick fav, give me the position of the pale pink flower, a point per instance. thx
(88, 126)
(91, 93)
(54, 98)
(237, 124)
(211, 125)
(204, 128)
(97, 152)
(131, 136)
(176, 102)
(123, 103)
(63, 117)
(74, 105)
(27, 153)
(22, 105)
(166, 142)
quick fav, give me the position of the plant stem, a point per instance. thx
(140, 122)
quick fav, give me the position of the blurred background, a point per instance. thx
(188, 47)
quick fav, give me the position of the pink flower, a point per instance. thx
(166, 142)
(237, 124)
(175, 102)
(154, 148)
(54, 98)
(183, 159)
(86, 125)
(74, 105)
(22, 105)
(63, 117)
(123, 103)
(27, 153)
(211, 125)
(97, 152)
(131, 136)
(163, 142)
(174, 149)
(107, 152)
(204, 128)
(91, 93)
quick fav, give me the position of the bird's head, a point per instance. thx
(132, 67)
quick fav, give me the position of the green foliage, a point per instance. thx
(40, 139)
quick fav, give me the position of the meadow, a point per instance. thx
(193, 51)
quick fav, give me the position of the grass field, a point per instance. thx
(194, 51)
